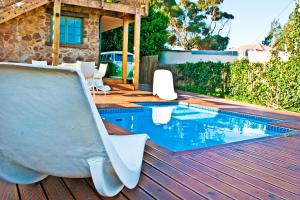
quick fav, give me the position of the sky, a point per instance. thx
(253, 18)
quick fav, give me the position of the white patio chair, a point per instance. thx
(42, 63)
(163, 85)
(54, 128)
(98, 77)
(69, 64)
(88, 70)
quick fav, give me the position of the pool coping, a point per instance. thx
(272, 123)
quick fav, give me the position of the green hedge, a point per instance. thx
(275, 84)
(202, 77)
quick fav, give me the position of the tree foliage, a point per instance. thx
(154, 35)
(291, 33)
(274, 34)
(275, 83)
(196, 24)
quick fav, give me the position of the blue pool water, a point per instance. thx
(180, 127)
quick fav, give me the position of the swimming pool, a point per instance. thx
(180, 127)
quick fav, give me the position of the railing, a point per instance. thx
(5, 3)
(136, 3)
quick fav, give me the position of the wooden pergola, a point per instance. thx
(113, 15)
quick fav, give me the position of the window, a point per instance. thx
(130, 58)
(70, 30)
(118, 57)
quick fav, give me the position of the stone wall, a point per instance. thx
(26, 37)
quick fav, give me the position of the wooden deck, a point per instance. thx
(259, 169)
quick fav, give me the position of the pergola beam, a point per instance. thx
(56, 32)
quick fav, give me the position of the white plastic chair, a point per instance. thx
(98, 77)
(88, 70)
(39, 63)
(163, 85)
(56, 130)
(69, 64)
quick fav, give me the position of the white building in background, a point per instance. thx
(254, 52)
(194, 56)
(258, 53)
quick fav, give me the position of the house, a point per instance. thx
(31, 29)
(254, 52)
(258, 53)
(171, 57)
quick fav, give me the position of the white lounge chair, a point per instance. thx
(163, 85)
(98, 78)
(88, 70)
(42, 63)
(50, 126)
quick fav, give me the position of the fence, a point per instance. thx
(149, 64)
(147, 67)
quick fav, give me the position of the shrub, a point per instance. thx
(202, 77)
(275, 84)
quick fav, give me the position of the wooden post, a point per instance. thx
(125, 49)
(136, 49)
(56, 32)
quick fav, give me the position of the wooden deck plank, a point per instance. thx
(256, 161)
(154, 189)
(170, 184)
(80, 189)
(8, 191)
(192, 183)
(237, 166)
(243, 150)
(272, 157)
(114, 129)
(268, 187)
(292, 150)
(119, 196)
(136, 193)
(55, 189)
(281, 154)
(32, 192)
(259, 168)
(233, 181)
(211, 182)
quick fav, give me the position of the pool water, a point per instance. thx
(180, 127)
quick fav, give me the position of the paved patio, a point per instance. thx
(259, 169)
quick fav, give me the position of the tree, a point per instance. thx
(291, 33)
(196, 24)
(154, 35)
(274, 34)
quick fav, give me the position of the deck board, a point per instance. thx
(233, 181)
(259, 169)
(218, 186)
(8, 191)
(252, 172)
(32, 192)
(268, 187)
(55, 189)
(80, 189)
